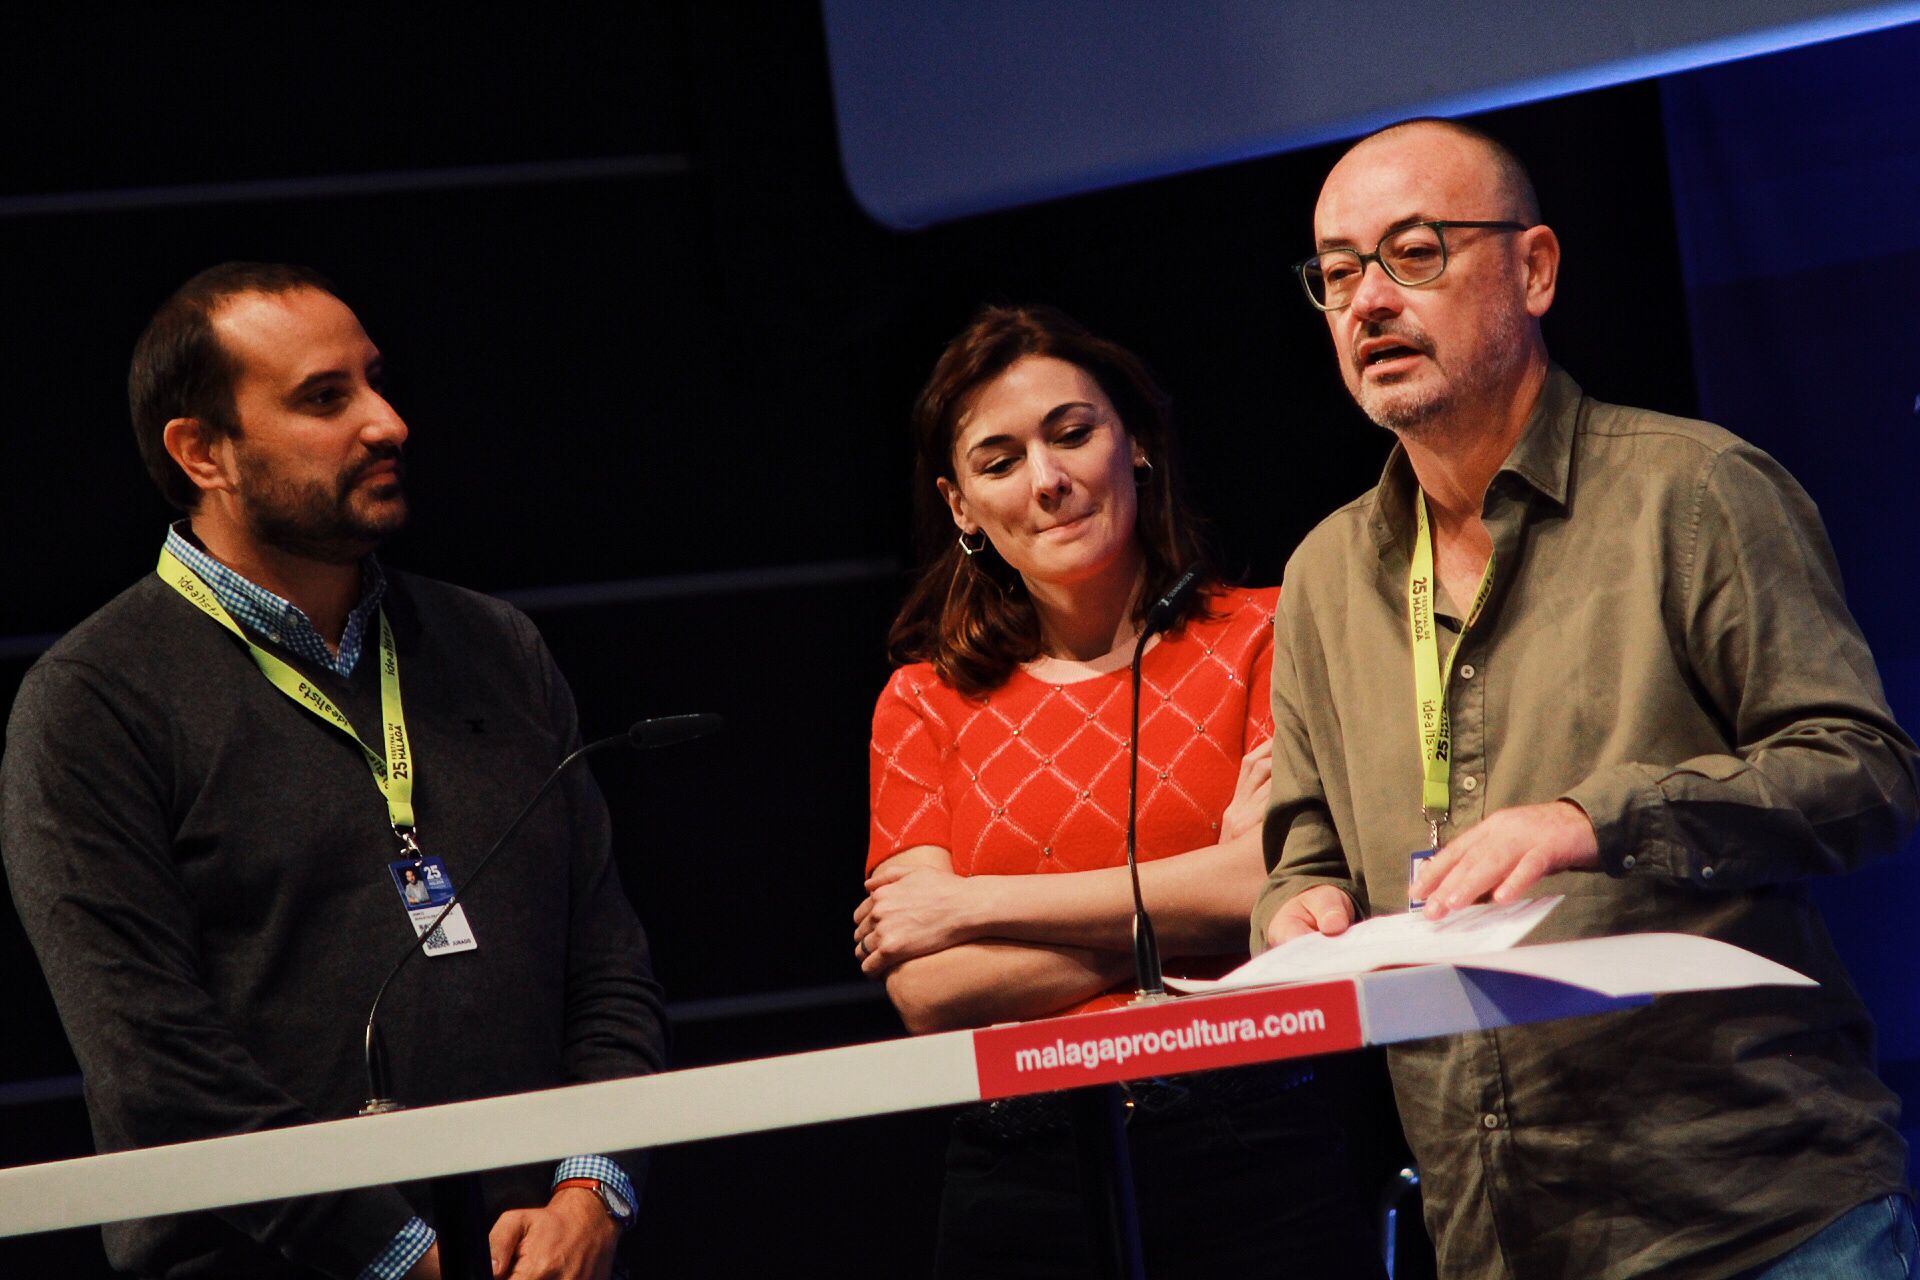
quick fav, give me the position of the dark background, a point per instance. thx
(647, 344)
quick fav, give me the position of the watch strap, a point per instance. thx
(617, 1207)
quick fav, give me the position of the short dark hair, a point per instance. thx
(970, 617)
(1516, 184)
(180, 370)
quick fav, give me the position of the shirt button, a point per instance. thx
(1466, 672)
(1489, 1121)
(1469, 783)
(1627, 863)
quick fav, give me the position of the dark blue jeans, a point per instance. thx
(1874, 1241)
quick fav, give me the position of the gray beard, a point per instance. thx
(1411, 416)
(1430, 414)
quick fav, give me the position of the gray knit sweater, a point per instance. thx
(201, 865)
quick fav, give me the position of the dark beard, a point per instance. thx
(333, 524)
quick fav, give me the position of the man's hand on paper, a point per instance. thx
(1506, 854)
(1321, 909)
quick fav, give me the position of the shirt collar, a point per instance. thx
(1542, 458)
(275, 618)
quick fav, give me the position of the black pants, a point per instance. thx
(1239, 1174)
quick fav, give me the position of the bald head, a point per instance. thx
(1508, 181)
(1462, 345)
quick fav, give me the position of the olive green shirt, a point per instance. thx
(1666, 645)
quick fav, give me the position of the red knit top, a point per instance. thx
(1034, 778)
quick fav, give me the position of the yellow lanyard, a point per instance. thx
(1430, 678)
(393, 768)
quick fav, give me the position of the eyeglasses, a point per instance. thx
(1412, 255)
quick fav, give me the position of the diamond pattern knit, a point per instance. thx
(1034, 779)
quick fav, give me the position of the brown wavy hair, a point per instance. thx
(970, 616)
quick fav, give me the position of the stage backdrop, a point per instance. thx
(1796, 179)
(951, 107)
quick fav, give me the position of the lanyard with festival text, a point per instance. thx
(393, 769)
(1430, 678)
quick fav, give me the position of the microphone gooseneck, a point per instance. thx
(1150, 984)
(661, 731)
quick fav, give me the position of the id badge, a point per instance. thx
(425, 889)
(1416, 863)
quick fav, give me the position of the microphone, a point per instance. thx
(1149, 982)
(1161, 614)
(667, 731)
(661, 731)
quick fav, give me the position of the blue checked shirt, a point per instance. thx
(264, 613)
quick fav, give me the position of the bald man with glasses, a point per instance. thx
(1567, 647)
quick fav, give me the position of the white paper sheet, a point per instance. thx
(1402, 939)
(1643, 964)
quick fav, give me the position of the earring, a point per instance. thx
(1142, 472)
(974, 549)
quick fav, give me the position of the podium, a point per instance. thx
(1194, 1033)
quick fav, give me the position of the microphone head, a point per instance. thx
(667, 731)
(1161, 614)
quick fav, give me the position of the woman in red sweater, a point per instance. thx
(997, 882)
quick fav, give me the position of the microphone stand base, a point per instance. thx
(381, 1106)
(1150, 997)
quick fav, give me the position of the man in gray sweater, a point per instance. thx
(211, 789)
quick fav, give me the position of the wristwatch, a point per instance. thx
(617, 1207)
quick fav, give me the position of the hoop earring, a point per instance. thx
(975, 548)
(1142, 473)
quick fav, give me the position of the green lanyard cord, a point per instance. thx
(393, 767)
(1430, 678)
